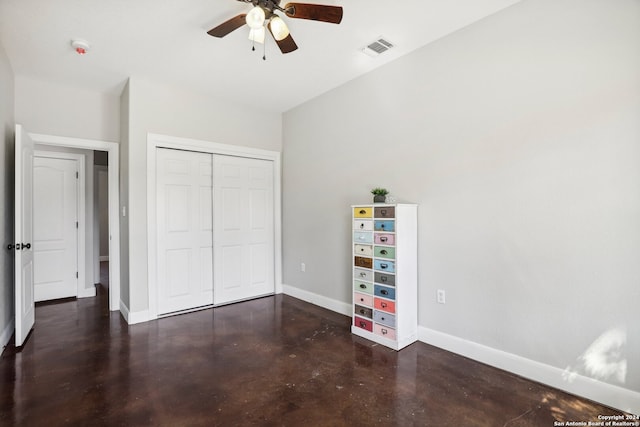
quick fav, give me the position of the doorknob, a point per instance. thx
(28, 246)
(9, 246)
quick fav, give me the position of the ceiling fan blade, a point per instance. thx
(287, 44)
(315, 12)
(228, 26)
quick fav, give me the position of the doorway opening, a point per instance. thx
(105, 224)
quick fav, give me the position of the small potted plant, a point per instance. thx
(379, 194)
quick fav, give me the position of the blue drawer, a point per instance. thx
(384, 291)
(384, 318)
(384, 265)
(362, 237)
(379, 225)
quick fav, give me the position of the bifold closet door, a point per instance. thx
(243, 228)
(185, 230)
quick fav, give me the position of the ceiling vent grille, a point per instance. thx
(377, 47)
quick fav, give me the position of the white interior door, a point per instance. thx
(243, 228)
(23, 284)
(55, 227)
(185, 228)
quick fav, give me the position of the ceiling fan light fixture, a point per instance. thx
(255, 18)
(278, 28)
(257, 35)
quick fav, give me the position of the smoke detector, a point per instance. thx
(80, 46)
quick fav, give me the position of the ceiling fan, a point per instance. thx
(264, 14)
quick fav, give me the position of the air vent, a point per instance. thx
(377, 47)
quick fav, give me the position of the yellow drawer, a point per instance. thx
(362, 212)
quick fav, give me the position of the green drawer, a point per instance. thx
(363, 287)
(384, 252)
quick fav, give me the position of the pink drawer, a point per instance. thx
(385, 305)
(384, 331)
(365, 324)
(362, 299)
(384, 238)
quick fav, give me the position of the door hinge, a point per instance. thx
(76, 274)
(77, 224)
(77, 175)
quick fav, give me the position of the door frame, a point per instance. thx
(81, 290)
(155, 141)
(112, 148)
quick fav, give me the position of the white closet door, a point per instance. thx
(185, 229)
(243, 231)
(55, 229)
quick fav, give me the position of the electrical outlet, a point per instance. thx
(440, 296)
(303, 267)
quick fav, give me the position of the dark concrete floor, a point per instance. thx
(275, 361)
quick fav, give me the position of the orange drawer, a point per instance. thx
(385, 305)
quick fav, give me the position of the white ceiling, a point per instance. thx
(166, 41)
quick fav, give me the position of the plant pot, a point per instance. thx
(379, 199)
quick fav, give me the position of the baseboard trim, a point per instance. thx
(7, 333)
(133, 317)
(319, 300)
(598, 391)
(87, 292)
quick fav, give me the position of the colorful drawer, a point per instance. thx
(383, 304)
(384, 278)
(384, 239)
(362, 212)
(384, 265)
(388, 252)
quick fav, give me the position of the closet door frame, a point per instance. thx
(155, 141)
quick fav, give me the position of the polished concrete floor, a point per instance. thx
(274, 361)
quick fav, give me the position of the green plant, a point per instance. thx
(379, 191)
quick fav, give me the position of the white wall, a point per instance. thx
(519, 138)
(48, 108)
(7, 130)
(155, 108)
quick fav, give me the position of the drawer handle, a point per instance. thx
(361, 249)
(363, 286)
(384, 212)
(383, 278)
(362, 311)
(382, 225)
(383, 239)
(362, 212)
(361, 225)
(361, 299)
(383, 305)
(384, 265)
(384, 292)
(384, 252)
(363, 324)
(363, 274)
(384, 331)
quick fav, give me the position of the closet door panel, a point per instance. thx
(185, 224)
(243, 212)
